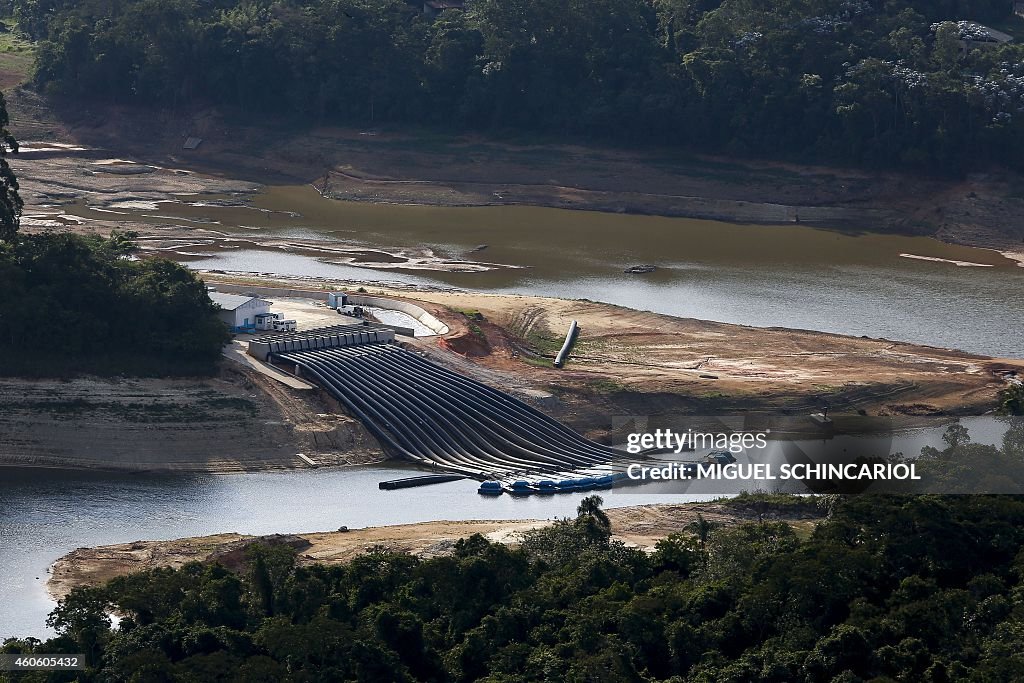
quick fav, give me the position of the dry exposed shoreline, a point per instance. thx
(626, 363)
(238, 421)
(637, 362)
(640, 526)
(630, 362)
(410, 166)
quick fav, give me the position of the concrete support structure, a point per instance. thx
(428, 320)
(319, 339)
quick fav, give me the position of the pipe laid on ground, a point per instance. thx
(468, 426)
(570, 339)
(424, 412)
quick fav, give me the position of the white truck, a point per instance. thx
(265, 321)
(275, 322)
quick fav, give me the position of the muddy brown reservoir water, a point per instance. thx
(904, 288)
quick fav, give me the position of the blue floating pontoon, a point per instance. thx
(546, 486)
(520, 488)
(490, 488)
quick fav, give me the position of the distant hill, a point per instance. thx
(894, 83)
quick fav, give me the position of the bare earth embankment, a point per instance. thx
(630, 362)
(235, 422)
(627, 363)
(725, 367)
(410, 166)
(641, 526)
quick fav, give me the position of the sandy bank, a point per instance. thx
(641, 526)
(1017, 256)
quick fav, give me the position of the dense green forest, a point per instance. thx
(886, 588)
(878, 82)
(72, 304)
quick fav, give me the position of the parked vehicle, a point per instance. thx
(352, 311)
(265, 321)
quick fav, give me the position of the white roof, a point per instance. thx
(230, 302)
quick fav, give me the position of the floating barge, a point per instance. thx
(422, 480)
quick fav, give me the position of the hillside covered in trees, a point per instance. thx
(72, 304)
(876, 82)
(886, 588)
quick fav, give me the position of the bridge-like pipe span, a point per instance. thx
(424, 412)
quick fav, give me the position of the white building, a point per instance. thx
(239, 311)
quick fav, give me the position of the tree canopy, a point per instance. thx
(887, 588)
(883, 83)
(10, 200)
(74, 304)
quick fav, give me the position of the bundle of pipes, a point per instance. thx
(423, 412)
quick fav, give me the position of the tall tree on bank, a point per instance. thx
(10, 200)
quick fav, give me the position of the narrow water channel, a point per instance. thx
(903, 288)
